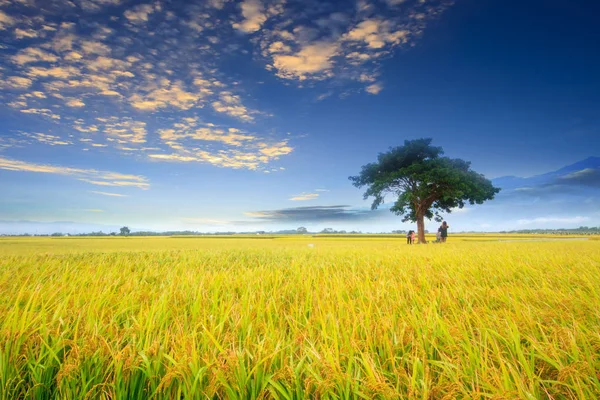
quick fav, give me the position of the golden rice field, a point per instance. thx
(295, 318)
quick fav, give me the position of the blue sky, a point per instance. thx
(242, 115)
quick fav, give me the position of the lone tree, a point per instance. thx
(125, 231)
(425, 183)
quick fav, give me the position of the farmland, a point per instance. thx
(299, 317)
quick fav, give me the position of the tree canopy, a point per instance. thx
(424, 183)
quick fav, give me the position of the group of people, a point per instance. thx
(440, 237)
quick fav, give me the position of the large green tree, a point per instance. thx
(424, 183)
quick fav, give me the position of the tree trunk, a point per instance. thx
(421, 228)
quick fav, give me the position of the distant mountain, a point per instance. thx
(591, 162)
(513, 182)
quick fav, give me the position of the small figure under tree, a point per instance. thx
(425, 183)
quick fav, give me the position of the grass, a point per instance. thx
(165, 318)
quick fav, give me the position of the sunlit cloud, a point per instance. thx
(5, 21)
(75, 103)
(51, 140)
(374, 88)
(41, 111)
(139, 14)
(346, 44)
(191, 141)
(116, 76)
(18, 82)
(305, 197)
(254, 15)
(103, 178)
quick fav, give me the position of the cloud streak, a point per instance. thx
(305, 197)
(95, 177)
(108, 194)
(335, 213)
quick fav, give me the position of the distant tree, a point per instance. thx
(125, 231)
(302, 230)
(423, 183)
(328, 230)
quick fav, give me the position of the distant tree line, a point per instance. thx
(582, 230)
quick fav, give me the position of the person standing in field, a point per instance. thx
(443, 231)
(412, 237)
(409, 237)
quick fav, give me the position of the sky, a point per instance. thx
(223, 115)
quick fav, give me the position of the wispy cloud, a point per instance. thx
(189, 138)
(304, 197)
(102, 178)
(51, 140)
(108, 194)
